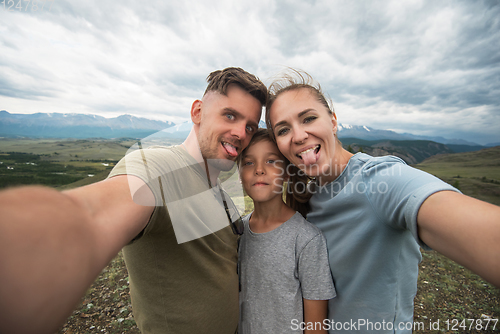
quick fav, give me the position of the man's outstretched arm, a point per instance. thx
(54, 244)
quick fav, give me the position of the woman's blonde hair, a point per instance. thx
(290, 80)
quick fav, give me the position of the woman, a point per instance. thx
(375, 212)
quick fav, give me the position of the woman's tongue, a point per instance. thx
(309, 157)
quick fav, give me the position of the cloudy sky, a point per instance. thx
(425, 67)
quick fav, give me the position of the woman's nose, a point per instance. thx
(299, 135)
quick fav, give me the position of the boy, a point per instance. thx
(285, 277)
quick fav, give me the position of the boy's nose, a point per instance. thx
(259, 171)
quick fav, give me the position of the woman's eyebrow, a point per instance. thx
(280, 123)
(302, 113)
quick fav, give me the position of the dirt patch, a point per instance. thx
(447, 293)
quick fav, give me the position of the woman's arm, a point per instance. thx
(464, 229)
(315, 312)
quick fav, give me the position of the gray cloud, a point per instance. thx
(423, 66)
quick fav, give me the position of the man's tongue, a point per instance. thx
(309, 157)
(230, 150)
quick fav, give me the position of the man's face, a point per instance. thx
(226, 125)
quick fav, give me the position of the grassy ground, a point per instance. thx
(446, 291)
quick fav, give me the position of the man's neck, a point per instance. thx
(193, 149)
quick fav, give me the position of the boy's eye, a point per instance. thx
(247, 163)
(271, 161)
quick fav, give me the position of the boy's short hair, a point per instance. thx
(259, 135)
(220, 80)
(293, 199)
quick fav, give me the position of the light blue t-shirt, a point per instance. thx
(369, 218)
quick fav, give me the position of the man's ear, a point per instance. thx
(196, 111)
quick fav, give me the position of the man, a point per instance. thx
(54, 244)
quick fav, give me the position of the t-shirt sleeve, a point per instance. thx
(396, 192)
(142, 164)
(314, 270)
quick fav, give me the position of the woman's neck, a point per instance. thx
(337, 166)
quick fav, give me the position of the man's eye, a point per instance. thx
(250, 129)
(230, 116)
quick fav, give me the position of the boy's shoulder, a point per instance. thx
(305, 232)
(304, 228)
(297, 225)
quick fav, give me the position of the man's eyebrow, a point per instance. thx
(240, 115)
(302, 113)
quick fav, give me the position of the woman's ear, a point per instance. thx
(196, 111)
(334, 123)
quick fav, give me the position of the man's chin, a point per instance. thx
(223, 165)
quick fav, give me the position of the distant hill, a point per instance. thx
(57, 125)
(367, 133)
(411, 148)
(411, 151)
(485, 157)
(476, 174)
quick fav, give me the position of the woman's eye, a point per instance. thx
(309, 119)
(281, 131)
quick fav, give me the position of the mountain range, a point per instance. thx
(57, 125)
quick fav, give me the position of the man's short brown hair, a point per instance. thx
(220, 80)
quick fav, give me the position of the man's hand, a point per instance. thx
(53, 245)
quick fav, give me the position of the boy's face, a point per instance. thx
(262, 171)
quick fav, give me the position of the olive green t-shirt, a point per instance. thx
(181, 282)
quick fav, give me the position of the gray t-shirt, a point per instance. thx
(369, 218)
(278, 269)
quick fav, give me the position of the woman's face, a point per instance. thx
(304, 131)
